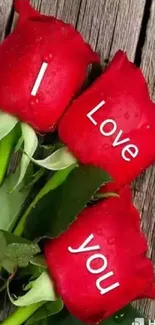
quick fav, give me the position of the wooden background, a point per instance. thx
(109, 25)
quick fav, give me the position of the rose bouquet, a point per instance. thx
(71, 247)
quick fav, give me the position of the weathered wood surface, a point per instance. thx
(109, 25)
(145, 185)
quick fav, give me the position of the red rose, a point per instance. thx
(99, 264)
(43, 64)
(112, 125)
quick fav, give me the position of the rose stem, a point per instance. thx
(21, 314)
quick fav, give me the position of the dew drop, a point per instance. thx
(34, 101)
(106, 146)
(39, 39)
(51, 56)
(53, 73)
(126, 115)
(52, 127)
(99, 232)
(48, 58)
(111, 241)
(119, 317)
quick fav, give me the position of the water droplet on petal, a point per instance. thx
(48, 58)
(100, 232)
(39, 39)
(126, 115)
(52, 127)
(111, 241)
(106, 146)
(34, 101)
(53, 73)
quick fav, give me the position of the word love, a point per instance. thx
(130, 150)
(99, 282)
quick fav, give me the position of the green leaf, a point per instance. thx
(56, 180)
(22, 253)
(6, 147)
(19, 144)
(8, 265)
(16, 251)
(32, 271)
(60, 159)
(2, 245)
(59, 208)
(126, 316)
(7, 123)
(39, 261)
(47, 310)
(42, 289)
(11, 203)
(30, 146)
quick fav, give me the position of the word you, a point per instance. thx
(99, 282)
(129, 151)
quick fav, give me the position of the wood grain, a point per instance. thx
(145, 185)
(5, 14)
(109, 25)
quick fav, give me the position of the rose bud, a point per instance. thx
(43, 64)
(99, 264)
(112, 125)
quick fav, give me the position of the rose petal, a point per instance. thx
(115, 226)
(43, 64)
(112, 125)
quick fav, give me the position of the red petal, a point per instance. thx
(115, 226)
(119, 134)
(45, 49)
(24, 9)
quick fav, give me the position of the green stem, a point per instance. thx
(4, 285)
(57, 179)
(21, 314)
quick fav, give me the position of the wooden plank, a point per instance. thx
(145, 185)
(36, 4)
(66, 10)
(5, 14)
(109, 25)
(148, 53)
